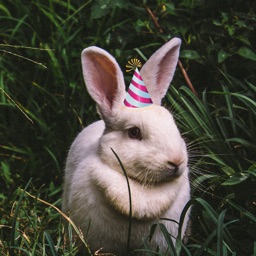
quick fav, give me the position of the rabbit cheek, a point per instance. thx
(111, 140)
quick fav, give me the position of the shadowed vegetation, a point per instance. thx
(43, 105)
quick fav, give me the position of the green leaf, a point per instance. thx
(244, 40)
(50, 243)
(231, 30)
(241, 142)
(252, 170)
(252, 87)
(227, 170)
(235, 179)
(130, 201)
(199, 180)
(168, 239)
(13, 241)
(4, 9)
(100, 8)
(103, 7)
(251, 103)
(247, 53)
(222, 55)
(217, 23)
(190, 54)
(220, 231)
(242, 210)
(241, 24)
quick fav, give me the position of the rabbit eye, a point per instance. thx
(134, 133)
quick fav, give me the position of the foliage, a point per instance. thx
(44, 105)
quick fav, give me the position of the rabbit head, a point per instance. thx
(146, 140)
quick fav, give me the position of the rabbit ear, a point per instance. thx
(104, 79)
(158, 71)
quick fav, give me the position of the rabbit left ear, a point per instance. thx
(158, 71)
(104, 80)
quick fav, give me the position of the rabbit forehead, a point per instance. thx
(151, 118)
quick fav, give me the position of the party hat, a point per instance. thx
(137, 95)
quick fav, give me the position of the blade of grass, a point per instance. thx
(220, 229)
(130, 202)
(80, 235)
(242, 210)
(25, 58)
(168, 239)
(184, 212)
(17, 105)
(15, 216)
(20, 22)
(50, 243)
(20, 249)
(34, 247)
(229, 104)
(76, 11)
(54, 159)
(246, 100)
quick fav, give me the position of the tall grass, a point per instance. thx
(43, 105)
(224, 162)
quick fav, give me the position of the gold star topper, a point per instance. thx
(133, 64)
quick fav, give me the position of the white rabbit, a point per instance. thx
(149, 146)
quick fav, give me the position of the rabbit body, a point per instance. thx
(95, 189)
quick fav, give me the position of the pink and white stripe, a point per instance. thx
(137, 95)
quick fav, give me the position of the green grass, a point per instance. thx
(43, 105)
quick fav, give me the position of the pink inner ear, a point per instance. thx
(158, 71)
(167, 68)
(103, 75)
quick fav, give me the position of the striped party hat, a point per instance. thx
(137, 95)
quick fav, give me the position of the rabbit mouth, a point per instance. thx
(153, 177)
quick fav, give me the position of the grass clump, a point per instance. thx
(29, 233)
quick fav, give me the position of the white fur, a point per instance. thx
(95, 190)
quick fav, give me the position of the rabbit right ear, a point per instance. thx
(158, 71)
(104, 80)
